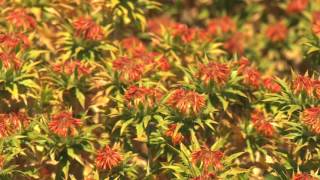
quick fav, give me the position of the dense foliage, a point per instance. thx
(167, 89)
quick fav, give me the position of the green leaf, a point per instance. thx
(80, 97)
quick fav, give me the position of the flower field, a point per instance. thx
(160, 89)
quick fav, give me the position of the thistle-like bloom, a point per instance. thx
(155, 24)
(311, 117)
(316, 27)
(134, 45)
(63, 124)
(88, 29)
(186, 34)
(235, 44)
(271, 85)
(186, 102)
(217, 72)
(222, 24)
(108, 158)
(20, 18)
(147, 97)
(163, 64)
(303, 84)
(277, 32)
(316, 85)
(12, 122)
(207, 157)
(243, 63)
(252, 77)
(69, 67)
(303, 176)
(297, 6)
(177, 137)
(10, 60)
(261, 124)
(129, 69)
(11, 41)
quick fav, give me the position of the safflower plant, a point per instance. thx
(158, 89)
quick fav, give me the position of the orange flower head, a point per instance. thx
(186, 102)
(277, 32)
(311, 117)
(217, 72)
(303, 176)
(134, 45)
(12, 122)
(223, 24)
(88, 29)
(176, 138)
(20, 18)
(63, 124)
(129, 69)
(207, 157)
(11, 41)
(271, 85)
(252, 77)
(10, 60)
(136, 96)
(316, 85)
(235, 44)
(303, 84)
(261, 125)
(316, 28)
(108, 158)
(297, 6)
(69, 67)
(186, 34)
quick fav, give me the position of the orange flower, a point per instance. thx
(217, 72)
(12, 122)
(302, 83)
(243, 64)
(108, 158)
(20, 18)
(186, 34)
(69, 67)
(303, 176)
(136, 96)
(252, 77)
(271, 85)
(297, 6)
(277, 32)
(187, 102)
(11, 41)
(316, 85)
(311, 117)
(235, 44)
(88, 29)
(224, 24)
(63, 124)
(10, 60)
(261, 124)
(207, 157)
(316, 27)
(133, 45)
(154, 24)
(129, 69)
(176, 138)
(163, 64)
